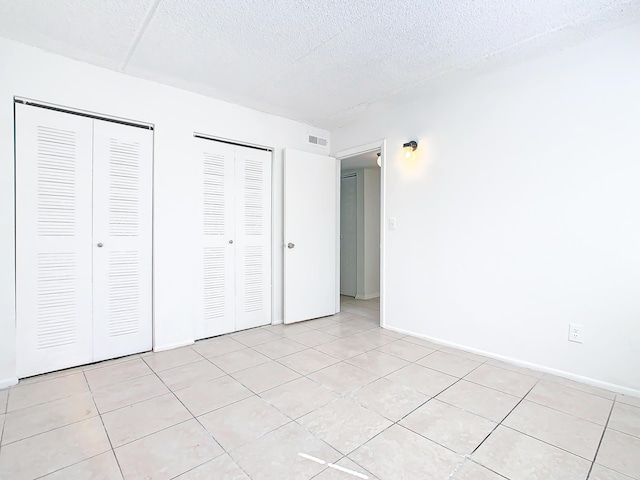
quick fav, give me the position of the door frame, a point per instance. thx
(380, 145)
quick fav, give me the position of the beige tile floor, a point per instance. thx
(358, 401)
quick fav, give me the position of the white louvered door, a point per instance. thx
(122, 184)
(235, 281)
(253, 237)
(81, 182)
(217, 273)
(53, 243)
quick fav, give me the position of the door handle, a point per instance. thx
(230, 241)
(100, 245)
(291, 245)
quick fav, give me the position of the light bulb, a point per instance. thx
(408, 152)
(379, 160)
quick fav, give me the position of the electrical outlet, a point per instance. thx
(575, 332)
(392, 223)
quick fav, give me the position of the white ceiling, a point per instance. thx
(322, 63)
(362, 160)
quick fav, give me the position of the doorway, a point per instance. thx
(360, 229)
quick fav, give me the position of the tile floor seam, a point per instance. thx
(106, 432)
(566, 413)
(503, 419)
(188, 420)
(74, 464)
(604, 431)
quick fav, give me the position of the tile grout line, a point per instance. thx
(504, 418)
(604, 431)
(106, 432)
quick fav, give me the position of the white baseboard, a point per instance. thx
(8, 382)
(521, 363)
(171, 346)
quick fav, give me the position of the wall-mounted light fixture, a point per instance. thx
(409, 148)
(379, 160)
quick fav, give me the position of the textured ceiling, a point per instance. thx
(322, 63)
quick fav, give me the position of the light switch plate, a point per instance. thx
(392, 223)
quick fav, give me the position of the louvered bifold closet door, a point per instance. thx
(253, 234)
(53, 240)
(122, 239)
(217, 278)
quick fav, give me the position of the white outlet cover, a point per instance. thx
(575, 332)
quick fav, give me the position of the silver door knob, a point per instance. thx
(100, 245)
(291, 245)
(230, 241)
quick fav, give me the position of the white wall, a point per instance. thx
(32, 73)
(371, 233)
(520, 212)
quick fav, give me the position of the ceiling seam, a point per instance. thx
(143, 27)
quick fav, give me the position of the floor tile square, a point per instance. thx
(205, 397)
(569, 400)
(336, 471)
(242, 422)
(308, 361)
(602, 473)
(41, 454)
(279, 348)
(319, 323)
(619, 452)
(342, 377)
(506, 381)
(128, 392)
(486, 402)
(239, 360)
(222, 467)
(344, 424)
(449, 426)
(583, 387)
(23, 396)
(279, 450)
(167, 359)
(265, 376)
(213, 347)
(4, 396)
(101, 377)
(255, 336)
(405, 350)
(288, 330)
(313, 338)
(187, 375)
(430, 382)
(344, 348)
(41, 418)
(136, 421)
(345, 329)
(377, 362)
(624, 418)
(415, 457)
(562, 430)
(516, 455)
(472, 471)
(168, 453)
(389, 399)
(299, 397)
(100, 467)
(626, 399)
(449, 364)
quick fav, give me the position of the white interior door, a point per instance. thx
(217, 278)
(53, 240)
(252, 237)
(348, 235)
(310, 235)
(122, 239)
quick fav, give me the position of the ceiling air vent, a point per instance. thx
(323, 142)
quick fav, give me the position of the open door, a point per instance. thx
(310, 235)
